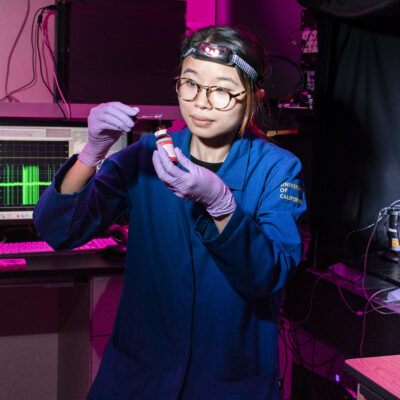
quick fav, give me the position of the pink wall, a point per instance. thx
(12, 16)
(281, 17)
(13, 13)
(200, 13)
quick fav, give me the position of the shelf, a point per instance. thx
(79, 112)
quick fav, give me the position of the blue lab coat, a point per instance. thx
(199, 310)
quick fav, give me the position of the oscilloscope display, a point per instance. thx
(26, 169)
(29, 158)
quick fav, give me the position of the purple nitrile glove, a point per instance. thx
(106, 123)
(199, 184)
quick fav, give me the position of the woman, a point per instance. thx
(211, 243)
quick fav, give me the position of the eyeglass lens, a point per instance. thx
(188, 90)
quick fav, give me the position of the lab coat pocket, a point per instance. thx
(119, 377)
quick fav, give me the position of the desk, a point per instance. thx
(55, 320)
(318, 301)
(63, 264)
(379, 377)
(330, 319)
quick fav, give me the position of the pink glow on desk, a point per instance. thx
(383, 371)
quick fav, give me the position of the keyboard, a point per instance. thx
(26, 248)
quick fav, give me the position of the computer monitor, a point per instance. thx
(30, 155)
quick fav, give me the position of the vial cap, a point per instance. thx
(160, 132)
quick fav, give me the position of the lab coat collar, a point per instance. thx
(234, 168)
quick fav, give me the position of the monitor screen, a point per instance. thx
(29, 158)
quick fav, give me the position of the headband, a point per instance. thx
(220, 54)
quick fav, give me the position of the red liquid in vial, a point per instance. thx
(163, 139)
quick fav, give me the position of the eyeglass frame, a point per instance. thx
(208, 91)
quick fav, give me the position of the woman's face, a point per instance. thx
(204, 121)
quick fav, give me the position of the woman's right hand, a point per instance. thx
(106, 123)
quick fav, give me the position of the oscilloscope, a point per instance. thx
(29, 157)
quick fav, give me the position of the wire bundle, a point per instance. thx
(40, 45)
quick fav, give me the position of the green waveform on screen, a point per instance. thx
(30, 184)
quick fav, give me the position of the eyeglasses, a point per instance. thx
(218, 97)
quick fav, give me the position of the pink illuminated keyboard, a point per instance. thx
(22, 248)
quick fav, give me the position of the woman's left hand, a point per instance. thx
(198, 184)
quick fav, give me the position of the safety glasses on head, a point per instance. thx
(220, 54)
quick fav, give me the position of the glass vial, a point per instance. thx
(393, 231)
(163, 139)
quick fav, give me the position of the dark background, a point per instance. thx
(125, 50)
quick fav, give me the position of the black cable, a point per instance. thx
(13, 47)
(56, 71)
(292, 346)
(306, 363)
(312, 355)
(303, 362)
(381, 213)
(300, 84)
(354, 382)
(275, 121)
(289, 346)
(300, 344)
(39, 28)
(41, 10)
(49, 48)
(303, 46)
(33, 60)
(331, 367)
(296, 343)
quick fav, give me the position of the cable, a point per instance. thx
(364, 323)
(43, 50)
(13, 48)
(46, 42)
(376, 309)
(33, 60)
(39, 29)
(311, 302)
(300, 84)
(331, 366)
(381, 213)
(297, 352)
(45, 33)
(33, 80)
(369, 298)
(379, 218)
(365, 267)
(294, 347)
